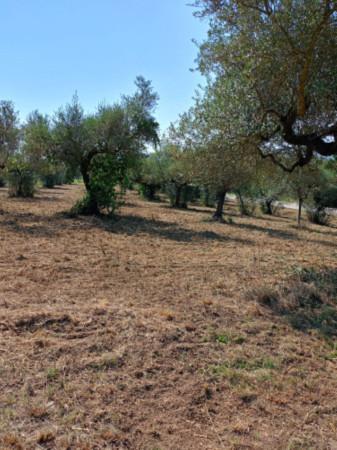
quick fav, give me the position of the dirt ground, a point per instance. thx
(141, 333)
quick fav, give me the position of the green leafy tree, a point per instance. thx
(120, 132)
(150, 175)
(38, 147)
(302, 183)
(177, 166)
(224, 158)
(9, 131)
(20, 177)
(283, 53)
(271, 183)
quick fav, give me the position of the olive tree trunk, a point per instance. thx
(92, 206)
(220, 201)
(299, 214)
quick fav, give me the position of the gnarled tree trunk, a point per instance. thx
(92, 206)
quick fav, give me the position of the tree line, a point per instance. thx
(264, 126)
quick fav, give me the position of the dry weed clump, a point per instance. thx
(307, 301)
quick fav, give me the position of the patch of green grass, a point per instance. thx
(238, 371)
(52, 373)
(223, 338)
(323, 319)
(332, 355)
(255, 364)
(78, 181)
(227, 338)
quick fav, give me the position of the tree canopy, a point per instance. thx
(9, 131)
(121, 130)
(283, 55)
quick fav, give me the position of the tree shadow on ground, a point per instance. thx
(272, 232)
(308, 302)
(54, 190)
(132, 225)
(325, 231)
(228, 213)
(53, 197)
(37, 225)
(32, 225)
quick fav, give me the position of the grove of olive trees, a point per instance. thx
(169, 284)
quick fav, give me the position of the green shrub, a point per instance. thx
(326, 198)
(208, 197)
(71, 175)
(21, 183)
(269, 206)
(82, 206)
(49, 180)
(148, 191)
(322, 199)
(247, 204)
(106, 174)
(181, 195)
(318, 215)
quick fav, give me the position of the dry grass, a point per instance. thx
(139, 334)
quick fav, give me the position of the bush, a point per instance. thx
(106, 173)
(191, 193)
(247, 204)
(71, 174)
(181, 195)
(307, 302)
(318, 215)
(49, 180)
(82, 206)
(269, 206)
(326, 198)
(21, 183)
(208, 197)
(148, 191)
(2, 182)
(322, 199)
(52, 179)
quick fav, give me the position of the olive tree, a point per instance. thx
(224, 158)
(112, 137)
(284, 54)
(151, 173)
(38, 149)
(302, 183)
(9, 131)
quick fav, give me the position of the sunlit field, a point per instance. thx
(161, 329)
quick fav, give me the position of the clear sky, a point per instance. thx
(51, 48)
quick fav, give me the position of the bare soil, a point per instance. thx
(141, 333)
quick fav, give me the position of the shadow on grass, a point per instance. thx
(324, 231)
(32, 225)
(307, 302)
(288, 235)
(36, 225)
(132, 225)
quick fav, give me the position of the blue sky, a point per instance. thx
(51, 48)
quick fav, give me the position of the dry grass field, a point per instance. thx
(162, 330)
